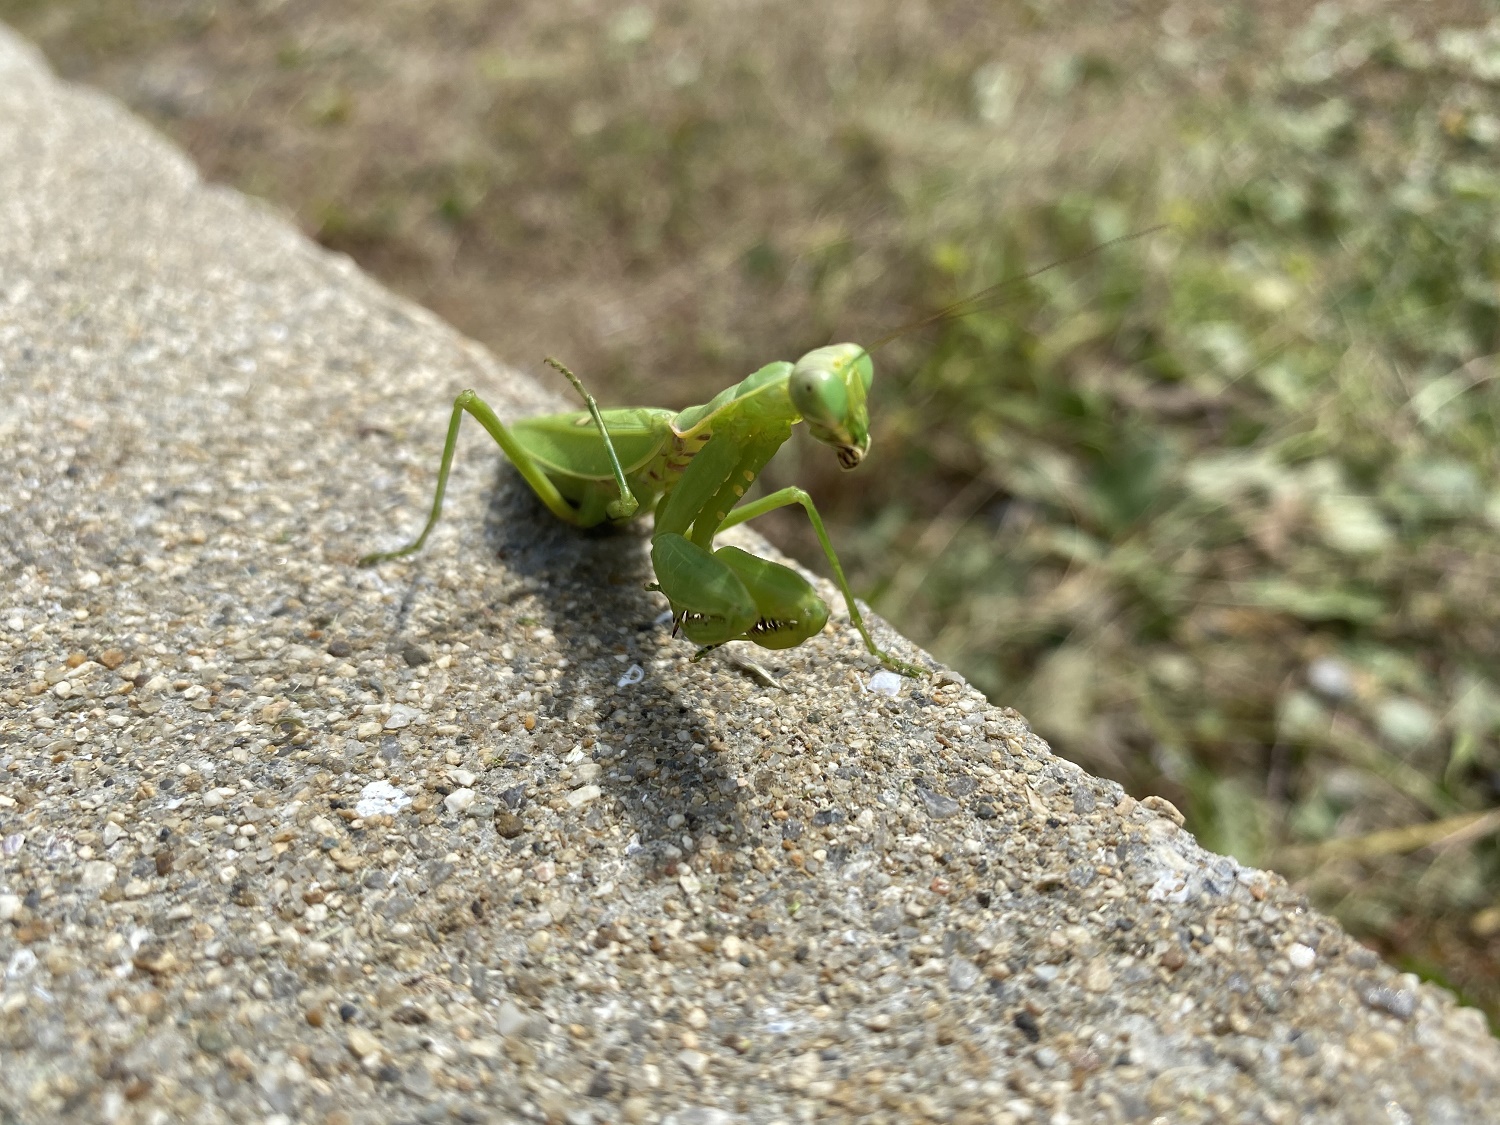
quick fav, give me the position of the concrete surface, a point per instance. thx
(467, 838)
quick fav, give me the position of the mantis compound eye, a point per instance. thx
(817, 389)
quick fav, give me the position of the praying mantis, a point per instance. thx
(692, 469)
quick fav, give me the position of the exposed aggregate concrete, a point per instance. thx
(467, 837)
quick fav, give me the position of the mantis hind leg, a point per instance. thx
(782, 499)
(471, 403)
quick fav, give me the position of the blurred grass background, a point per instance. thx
(1216, 508)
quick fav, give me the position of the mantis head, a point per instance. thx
(828, 387)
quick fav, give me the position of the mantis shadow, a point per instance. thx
(652, 721)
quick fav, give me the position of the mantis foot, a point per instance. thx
(896, 664)
(385, 556)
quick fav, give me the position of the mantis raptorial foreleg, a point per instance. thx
(787, 496)
(710, 601)
(788, 609)
(622, 507)
(721, 595)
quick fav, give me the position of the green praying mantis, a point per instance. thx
(692, 469)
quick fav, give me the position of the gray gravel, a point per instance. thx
(467, 838)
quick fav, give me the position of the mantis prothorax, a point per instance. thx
(693, 468)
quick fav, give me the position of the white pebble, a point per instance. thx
(509, 1020)
(401, 717)
(459, 801)
(97, 874)
(10, 906)
(884, 683)
(363, 1045)
(583, 795)
(1301, 956)
(316, 952)
(487, 1049)
(380, 798)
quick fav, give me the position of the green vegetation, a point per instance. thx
(1217, 507)
(1224, 504)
